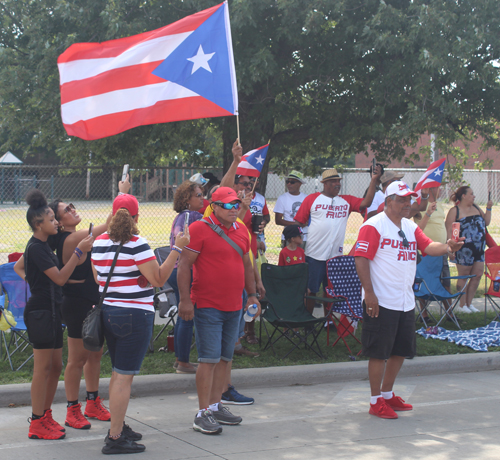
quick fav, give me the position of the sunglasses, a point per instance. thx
(69, 208)
(291, 181)
(405, 241)
(229, 205)
(246, 184)
(197, 195)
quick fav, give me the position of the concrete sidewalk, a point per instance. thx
(303, 412)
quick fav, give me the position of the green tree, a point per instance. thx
(323, 79)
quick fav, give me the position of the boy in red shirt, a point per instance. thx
(292, 253)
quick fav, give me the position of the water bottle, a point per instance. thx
(250, 313)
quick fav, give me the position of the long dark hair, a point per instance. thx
(456, 197)
(38, 207)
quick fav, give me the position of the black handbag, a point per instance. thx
(92, 328)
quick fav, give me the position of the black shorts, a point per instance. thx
(391, 334)
(74, 310)
(42, 304)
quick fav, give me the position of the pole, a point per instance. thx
(238, 128)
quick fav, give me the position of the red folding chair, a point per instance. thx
(492, 272)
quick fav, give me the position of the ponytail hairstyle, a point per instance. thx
(122, 227)
(38, 208)
(456, 197)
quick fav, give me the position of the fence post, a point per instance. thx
(113, 184)
(3, 185)
(52, 187)
(16, 188)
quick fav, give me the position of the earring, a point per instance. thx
(61, 228)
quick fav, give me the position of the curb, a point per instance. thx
(309, 374)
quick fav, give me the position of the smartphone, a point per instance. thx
(91, 228)
(489, 196)
(186, 225)
(374, 165)
(125, 172)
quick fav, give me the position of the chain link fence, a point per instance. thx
(93, 189)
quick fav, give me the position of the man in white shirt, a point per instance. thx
(386, 262)
(289, 203)
(327, 212)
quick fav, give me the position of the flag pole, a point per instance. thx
(238, 128)
(254, 185)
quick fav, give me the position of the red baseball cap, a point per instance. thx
(399, 188)
(225, 195)
(128, 202)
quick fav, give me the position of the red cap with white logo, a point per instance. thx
(399, 188)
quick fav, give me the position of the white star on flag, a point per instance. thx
(438, 172)
(259, 159)
(201, 60)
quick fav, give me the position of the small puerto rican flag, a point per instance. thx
(362, 246)
(252, 162)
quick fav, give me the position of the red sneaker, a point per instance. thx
(96, 409)
(75, 418)
(51, 422)
(382, 410)
(398, 403)
(40, 429)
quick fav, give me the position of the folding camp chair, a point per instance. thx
(285, 311)
(344, 284)
(164, 300)
(18, 293)
(428, 288)
(492, 272)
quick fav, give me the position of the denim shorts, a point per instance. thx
(317, 274)
(216, 333)
(128, 333)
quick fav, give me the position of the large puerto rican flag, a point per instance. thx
(182, 71)
(432, 177)
(252, 162)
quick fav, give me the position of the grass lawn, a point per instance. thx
(161, 362)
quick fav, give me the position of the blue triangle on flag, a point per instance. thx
(257, 158)
(214, 84)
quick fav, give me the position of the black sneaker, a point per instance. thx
(122, 445)
(206, 423)
(128, 432)
(224, 417)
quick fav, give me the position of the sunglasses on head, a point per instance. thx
(229, 205)
(291, 181)
(69, 208)
(405, 241)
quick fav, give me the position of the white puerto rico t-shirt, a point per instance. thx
(288, 205)
(392, 266)
(328, 222)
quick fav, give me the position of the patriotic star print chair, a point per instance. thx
(15, 340)
(492, 272)
(285, 318)
(428, 288)
(344, 285)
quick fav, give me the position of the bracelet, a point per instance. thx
(78, 253)
(255, 294)
(428, 215)
(488, 209)
(121, 193)
(175, 248)
(425, 197)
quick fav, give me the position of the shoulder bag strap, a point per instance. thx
(221, 233)
(101, 300)
(458, 212)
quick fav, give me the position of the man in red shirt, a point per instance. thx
(220, 273)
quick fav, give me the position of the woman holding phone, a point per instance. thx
(188, 200)
(127, 309)
(39, 266)
(80, 294)
(470, 258)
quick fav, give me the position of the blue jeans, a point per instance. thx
(216, 333)
(183, 331)
(128, 332)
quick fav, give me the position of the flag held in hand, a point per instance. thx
(182, 71)
(252, 162)
(432, 177)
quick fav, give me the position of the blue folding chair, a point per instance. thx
(18, 292)
(428, 288)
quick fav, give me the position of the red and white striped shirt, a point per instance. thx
(123, 289)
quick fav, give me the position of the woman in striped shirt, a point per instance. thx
(128, 312)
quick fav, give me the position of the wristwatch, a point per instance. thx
(255, 294)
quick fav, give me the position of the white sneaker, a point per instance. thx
(473, 309)
(464, 309)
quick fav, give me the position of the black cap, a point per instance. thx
(211, 178)
(291, 231)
